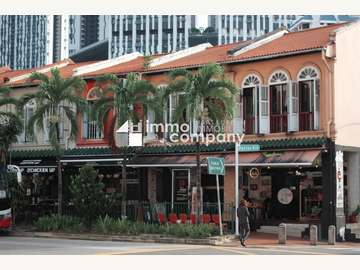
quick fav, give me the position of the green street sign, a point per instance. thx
(216, 165)
(249, 148)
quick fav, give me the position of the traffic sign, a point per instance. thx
(216, 165)
(249, 148)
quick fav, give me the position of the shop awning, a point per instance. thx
(290, 158)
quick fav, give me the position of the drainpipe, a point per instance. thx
(329, 53)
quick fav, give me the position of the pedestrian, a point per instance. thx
(244, 226)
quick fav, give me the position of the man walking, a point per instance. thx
(244, 227)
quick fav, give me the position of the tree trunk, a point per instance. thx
(60, 187)
(123, 188)
(198, 182)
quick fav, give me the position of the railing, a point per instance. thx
(249, 125)
(93, 131)
(306, 121)
(278, 123)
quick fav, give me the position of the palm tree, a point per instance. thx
(10, 127)
(58, 99)
(207, 96)
(120, 97)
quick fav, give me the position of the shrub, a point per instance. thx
(108, 225)
(88, 197)
(57, 222)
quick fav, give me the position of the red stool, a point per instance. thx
(161, 218)
(173, 218)
(192, 219)
(215, 219)
(183, 218)
(205, 219)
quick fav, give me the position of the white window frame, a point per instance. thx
(312, 73)
(99, 134)
(250, 81)
(280, 77)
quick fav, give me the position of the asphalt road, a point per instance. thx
(43, 246)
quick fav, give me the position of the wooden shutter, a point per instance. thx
(264, 117)
(238, 113)
(293, 107)
(316, 98)
(256, 111)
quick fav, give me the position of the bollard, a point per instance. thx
(313, 235)
(282, 233)
(332, 235)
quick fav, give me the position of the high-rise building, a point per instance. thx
(28, 41)
(86, 30)
(148, 34)
(233, 28)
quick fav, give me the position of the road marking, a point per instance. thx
(238, 251)
(147, 250)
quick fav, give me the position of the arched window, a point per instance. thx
(308, 73)
(91, 129)
(278, 77)
(278, 85)
(245, 119)
(251, 81)
(309, 98)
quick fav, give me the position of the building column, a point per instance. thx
(353, 180)
(229, 192)
(219, 29)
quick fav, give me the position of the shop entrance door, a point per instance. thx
(285, 196)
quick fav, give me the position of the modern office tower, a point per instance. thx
(28, 41)
(233, 28)
(86, 30)
(148, 34)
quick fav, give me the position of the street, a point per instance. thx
(44, 246)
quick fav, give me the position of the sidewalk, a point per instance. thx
(267, 239)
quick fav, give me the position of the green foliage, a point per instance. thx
(10, 123)
(18, 195)
(88, 196)
(208, 95)
(108, 225)
(147, 60)
(57, 223)
(56, 101)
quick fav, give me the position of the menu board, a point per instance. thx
(181, 186)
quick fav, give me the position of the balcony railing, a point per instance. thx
(278, 123)
(306, 121)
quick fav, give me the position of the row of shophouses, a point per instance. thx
(298, 99)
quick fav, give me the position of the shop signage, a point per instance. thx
(216, 165)
(339, 179)
(285, 196)
(40, 170)
(249, 147)
(254, 173)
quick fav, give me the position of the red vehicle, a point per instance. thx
(5, 197)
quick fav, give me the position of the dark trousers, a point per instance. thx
(244, 231)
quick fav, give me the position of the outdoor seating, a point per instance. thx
(183, 218)
(215, 219)
(173, 218)
(205, 219)
(161, 218)
(192, 219)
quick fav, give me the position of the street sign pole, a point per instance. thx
(237, 146)
(219, 204)
(236, 188)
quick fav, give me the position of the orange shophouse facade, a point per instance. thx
(287, 83)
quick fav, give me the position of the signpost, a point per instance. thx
(216, 166)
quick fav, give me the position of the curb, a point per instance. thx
(144, 238)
